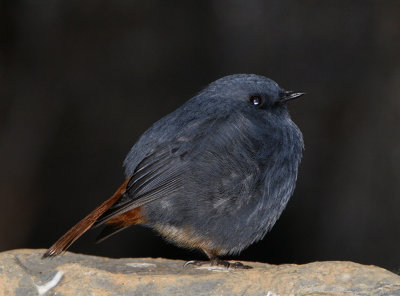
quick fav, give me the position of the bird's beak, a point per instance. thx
(289, 95)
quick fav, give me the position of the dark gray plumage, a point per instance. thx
(216, 173)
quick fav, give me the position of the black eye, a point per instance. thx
(256, 101)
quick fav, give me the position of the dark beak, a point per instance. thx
(289, 95)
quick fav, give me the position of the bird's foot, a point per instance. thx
(218, 262)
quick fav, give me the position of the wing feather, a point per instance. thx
(157, 176)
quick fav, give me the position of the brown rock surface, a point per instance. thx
(23, 272)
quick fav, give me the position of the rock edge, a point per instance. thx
(23, 272)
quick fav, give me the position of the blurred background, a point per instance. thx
(81, 80)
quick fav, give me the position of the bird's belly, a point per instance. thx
(186, 236)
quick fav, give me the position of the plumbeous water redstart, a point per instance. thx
(215, 174)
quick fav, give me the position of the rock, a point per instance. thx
(23, 272)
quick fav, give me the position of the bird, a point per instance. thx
(214, 175)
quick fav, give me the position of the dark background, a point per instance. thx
(81, 80)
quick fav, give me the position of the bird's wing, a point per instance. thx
(158, 175)
(216, 149)
(160, 166)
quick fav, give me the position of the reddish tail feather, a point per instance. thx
(85, 224)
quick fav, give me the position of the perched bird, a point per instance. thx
(214, 175)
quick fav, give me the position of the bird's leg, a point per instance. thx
(215, 261)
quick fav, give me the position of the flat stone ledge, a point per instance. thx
(23, 272)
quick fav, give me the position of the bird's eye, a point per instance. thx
(256, 101)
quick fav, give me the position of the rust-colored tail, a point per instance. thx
(85, 224)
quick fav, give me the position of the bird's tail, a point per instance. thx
(82, 226)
